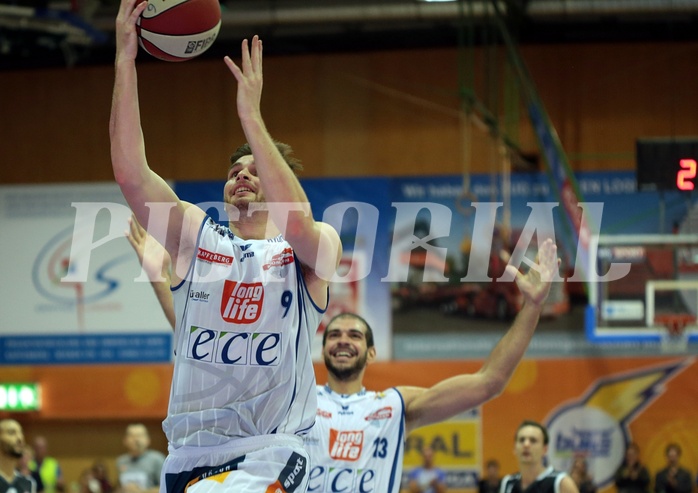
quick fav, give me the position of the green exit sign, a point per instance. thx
(20, 397)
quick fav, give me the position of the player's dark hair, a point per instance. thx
(369, 331)
(535, 424)
(284, 149)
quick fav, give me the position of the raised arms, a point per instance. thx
(316, 244)
(460, 393)
(139, 184)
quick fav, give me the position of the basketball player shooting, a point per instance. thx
(243, 387)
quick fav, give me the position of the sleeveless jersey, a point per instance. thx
(548, 482)
(19, 484)
(357, 443)
(242, 363)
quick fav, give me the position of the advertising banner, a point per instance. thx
(70, 292)
(413, 248)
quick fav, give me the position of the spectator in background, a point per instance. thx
(632, 476)
(139, 469)
(24, 468)
(491, 480)
(88, 483)
(673, 478)
(48, 467)
(580, 475)
(11, 450)
(99, 472)
(427, 478)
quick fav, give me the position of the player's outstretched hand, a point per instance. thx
(535, 284)
(249, 78)
(126, 38)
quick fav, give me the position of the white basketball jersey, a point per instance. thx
(357, 443)
(242, 343)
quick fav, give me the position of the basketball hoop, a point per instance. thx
(674, 338)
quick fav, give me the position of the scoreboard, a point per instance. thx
(667, 163)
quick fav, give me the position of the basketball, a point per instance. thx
(178, 30)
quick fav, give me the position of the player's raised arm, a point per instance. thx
(137, 181)
(316, 244)
(460, 393)
(156, 263)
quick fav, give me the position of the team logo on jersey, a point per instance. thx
(247, 253)
(221, 230)
(346, 411)
(213, 257)
(346, 445)
(280, 260)
(324, 414)
(242, 302)
(382, 413)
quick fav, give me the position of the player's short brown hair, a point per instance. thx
(285, 150)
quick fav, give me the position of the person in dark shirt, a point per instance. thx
(491, 480)
(11, 451)
(632, 476)
(673, 478)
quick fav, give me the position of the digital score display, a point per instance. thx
(667, 164)
(686, 175)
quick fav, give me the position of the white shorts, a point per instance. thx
(263, 464)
